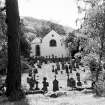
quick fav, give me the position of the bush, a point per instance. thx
(3, 65)
(100, 84)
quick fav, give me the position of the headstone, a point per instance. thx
(31, 82)
(61, 72)
(76, 65)
(79, 83)
(56, 71)
(66, 67)
(79, 86)
(68, 82)
(83, 70)
(70, 68)
(62, 65)
(35, 71)
(72, 83)
(30, 73)
(58, 66)
(73, 63)
(39, 65)
(78, 76)
(37, 88)
(53, 68)
(45, 85)
(55, 85)
(93, 84)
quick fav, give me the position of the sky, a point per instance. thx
(63, 12)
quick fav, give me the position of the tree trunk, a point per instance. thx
(13, 80)
(100, 57)
(99, 70)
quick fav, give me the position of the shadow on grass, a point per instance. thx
(88, 91)
(22, 102)
(4, 101)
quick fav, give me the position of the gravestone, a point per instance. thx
(55, 85)
(45, 85)
(58, 66)
(56, 71)
(31, 82)
(68, 81)
(79, 83)
(63, 66)
(53, 68)
(66, 68)
(70, 68)
(37, 88)
(78, 76)
(79, 86)
(72, 83)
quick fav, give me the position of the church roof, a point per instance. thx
(53, 32)
(37, 40)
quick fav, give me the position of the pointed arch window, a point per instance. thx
(53, 43)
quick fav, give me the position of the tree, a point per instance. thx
(25, 45)
(3, 40)
(71, 43)
(76, 44)
(13, 80)
(42, 32)
(94, 27)
(58, 28)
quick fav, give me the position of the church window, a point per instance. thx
(53, 43)
(52, 35)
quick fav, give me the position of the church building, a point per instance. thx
(52, 45)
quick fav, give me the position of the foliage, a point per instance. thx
(88, 59)
(3, 28)
(25, 47)
(3, 42)
(71, 37)
(42, 32)
(76, 43)
(100, 84)
(58, 28)
(94, 27)
(72, 43)
(24, 43)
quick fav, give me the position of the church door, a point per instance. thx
(37, 50)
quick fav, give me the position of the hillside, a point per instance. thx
(35, 27)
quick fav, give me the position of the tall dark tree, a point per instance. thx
(13, 80)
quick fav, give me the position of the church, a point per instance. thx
(51, 45)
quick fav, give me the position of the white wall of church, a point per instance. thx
(58, 51)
